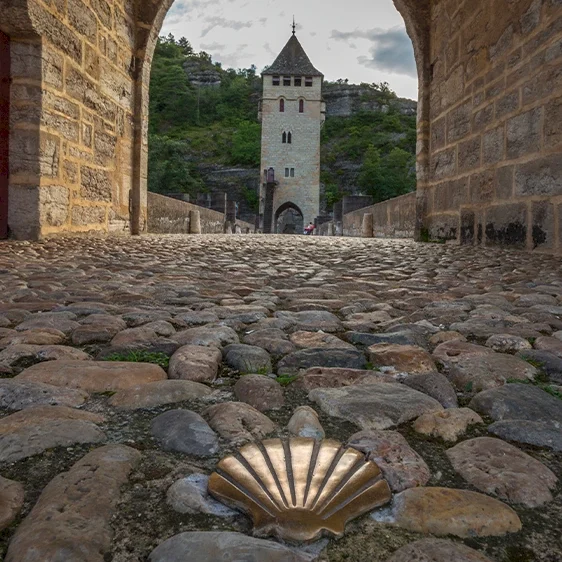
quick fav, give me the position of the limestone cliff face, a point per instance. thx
(344, 100)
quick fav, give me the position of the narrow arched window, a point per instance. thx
(289, 138)
(281, 106)
(284, 138)
(301, 106)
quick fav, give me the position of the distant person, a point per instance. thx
(309, 230)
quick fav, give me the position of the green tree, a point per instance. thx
(246, 144)
(399, 172)
(168, 167)
(370, 177)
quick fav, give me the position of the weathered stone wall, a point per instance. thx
(395, 218)
(72, 106)
(172, 216)
(496, 122)
(489, 155)
(303, 154)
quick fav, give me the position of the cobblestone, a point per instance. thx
(101, 318)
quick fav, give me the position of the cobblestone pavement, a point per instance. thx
(130, 367)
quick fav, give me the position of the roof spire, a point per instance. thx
(294, 25)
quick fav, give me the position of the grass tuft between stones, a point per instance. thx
(141, 357)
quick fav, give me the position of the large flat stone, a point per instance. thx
(518, 402)
(477, 373)
(190, 495)
(238, 422)
(435, 385)
(37, 336)
(305, 423)
(62, 321)
(451, 352)
(374, 406)
(71, 520)
(195, 363)
(20, 394)
(449, 424)
(217, 336)
(400, 465)
(185, 431)
(24, 354)
(546, 434)
(261, 392)
(403, 358)
(547, 362)
(247, 358)
(321, 357)
(437, 550)
(93, 376)
(446, 511)
(498, 468)
(312, 320)
(211, 546)
(305, 340)
(36, 429)
(158, 393)
(336, 377)
(11, 501)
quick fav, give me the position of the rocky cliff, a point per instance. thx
(345, 100)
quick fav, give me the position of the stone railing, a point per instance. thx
(173, 216)
(395, 218)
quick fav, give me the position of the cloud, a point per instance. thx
(391, 49)
(209, 47)
(217, 21)
(267, 48)
(181, 8)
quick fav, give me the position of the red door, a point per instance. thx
(4, 130)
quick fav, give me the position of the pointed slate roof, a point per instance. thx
(293, 60)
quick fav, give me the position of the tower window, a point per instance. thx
(289, 172)
(284, 137)
(286, 80)
(308, 81)
(298, 81)
(292, 172)
(276, 81)
(301, 106)
(281, 105)
(289, 138)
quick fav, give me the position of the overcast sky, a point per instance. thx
(361, 40)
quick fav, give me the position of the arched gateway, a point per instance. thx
(489, 116)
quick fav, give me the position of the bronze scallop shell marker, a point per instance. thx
(298, 488)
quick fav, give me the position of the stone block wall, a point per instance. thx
(171, 216)
(303, 154)
(489, 153)
(495, 168)
(72, 115)
(395, 218)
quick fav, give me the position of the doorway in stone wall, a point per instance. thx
(4, 131)
(289, 219)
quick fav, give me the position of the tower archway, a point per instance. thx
(289, 219)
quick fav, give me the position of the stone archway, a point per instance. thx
(489, 115)
(293, 224)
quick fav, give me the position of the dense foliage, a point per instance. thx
(191, 125)
(374, 150)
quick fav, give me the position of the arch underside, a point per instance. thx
(488, 151)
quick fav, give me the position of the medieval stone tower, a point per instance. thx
(292, 113)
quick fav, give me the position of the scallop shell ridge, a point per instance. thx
(297, 489)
